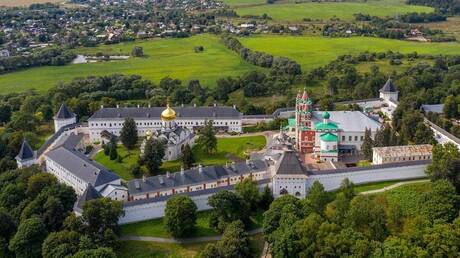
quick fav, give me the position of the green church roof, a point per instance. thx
(327, 126)
(329, 137)
(326, 115)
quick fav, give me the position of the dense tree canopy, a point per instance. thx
(180, 216)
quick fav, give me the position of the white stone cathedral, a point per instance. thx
(173, 136)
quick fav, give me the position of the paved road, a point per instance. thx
(393, 186)
(181, 241)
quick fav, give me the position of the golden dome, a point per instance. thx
(168, 114)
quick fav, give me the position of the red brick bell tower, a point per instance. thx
(305, 135)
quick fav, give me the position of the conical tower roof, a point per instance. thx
(64, 113)
(25, 152)
(389, 86)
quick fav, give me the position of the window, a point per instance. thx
(349, 138)
(356, 138)
(343, 137)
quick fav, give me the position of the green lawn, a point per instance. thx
(123, 169)
(228, 149)
(312, 52)
(138, 249)
(155, 227)
(289, 11)
(164, 57)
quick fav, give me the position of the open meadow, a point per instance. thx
(163, 57)
(176, 58)
(291, 11)
(312, 52)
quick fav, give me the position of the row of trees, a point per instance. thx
(278, 64)
(49, 56)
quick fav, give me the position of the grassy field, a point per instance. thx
(288, 11)
(12, 3)
(176, 58)
(407, 196)
(164, 57)
(312, 52)
(228, 149)
(451, 26)
(378, 185)
(155, 227)
(137, 249)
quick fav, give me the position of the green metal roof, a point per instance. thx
(327, 126)
(326, 115)
(329, 137)
(291, 122)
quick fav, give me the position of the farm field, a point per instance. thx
(12, 3)
(164, 57)
(228, 149)
(176, 58)
(290, 11)
(312, 52)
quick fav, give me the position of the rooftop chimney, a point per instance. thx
(194, 104)
(233, 166)
(182, 171)
(182, 105)
(138, 106)
(234, 106)
(215, 104)
(137, 185)
(200, 168)
(168, 175)
(144, 179)
(150, 105)
(102, 106)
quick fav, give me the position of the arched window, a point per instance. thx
(283, 191)
(297, 194)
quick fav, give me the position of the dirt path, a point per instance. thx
(181, 241)
(393, 186)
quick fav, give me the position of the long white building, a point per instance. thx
(149, 119)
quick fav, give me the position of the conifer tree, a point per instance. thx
(128, 133)
(187, 157)
(207, 138)
(113, 154)
(153, 155)
(367, 145)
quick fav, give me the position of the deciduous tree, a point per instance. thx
(180, 216)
